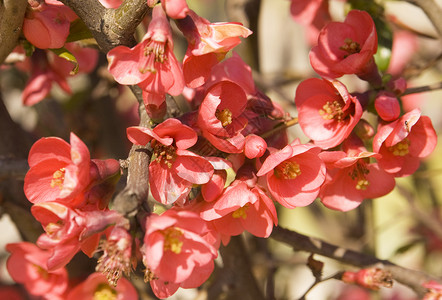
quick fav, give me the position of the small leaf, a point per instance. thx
(64, 53)
(315, 266)
(407, 247)
(230, 177)
(78, 31)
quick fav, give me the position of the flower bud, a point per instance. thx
(371, 278)
(387, 106)
(254, 146)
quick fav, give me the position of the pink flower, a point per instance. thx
(387, 106)
(111, 3)
(28, 265)
(220, 116)
(346, 48)
(294, 174)
(46, 27)
(404, 142)
(434, 290)
(371, 278)
(208, 43)
(175, 253)
(351, 178)
(69, 230)
(327, 113)
(242, 206)
(151, 64)
(176, 9)
(211, 190)
(96, 287)
(173, 169)
(58, 171)
(255, 146)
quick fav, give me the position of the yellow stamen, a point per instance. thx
(58, 178)
(164, 154)
(332, 110)
(105, 292)
(241, 212)
(350, 47)
(172, 240)
(225, 116)
(401, 148)
(359, 174)
(287, 170)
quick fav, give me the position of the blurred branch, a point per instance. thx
(421, 89)
(411, 278)
(12, 13)
(433, 12)
(13, 168)
(235, 281)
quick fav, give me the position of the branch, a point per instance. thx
(110, 27)
(12, 13)
(433, 12)
(421, 89)
(128, 201)
(411, 278)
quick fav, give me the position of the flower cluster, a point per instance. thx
(219, 169)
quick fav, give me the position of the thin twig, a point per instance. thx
(285, 125)
(433, 12)
(425, 88)
(411, 278)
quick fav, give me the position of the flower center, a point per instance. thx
(401, 148)
(105, 292)
(54, 229)
(358, 174)
(350, 47)
(42, 272)
(115, 260)
(172, 239)
(225, 116)
(241, 212)
(163, 154)
(287, 170)
(58, 178)
(332, 110)
(154, 53)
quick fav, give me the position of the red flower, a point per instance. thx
(151, 64)
(294, 174)
(327, 113)
(220, 116)
(173, 170)
(351, 178)
(69, 230)
(58, 171)
(208, 44)
(242, 206)
(404, 142)
(46, 26)
(175, 253)
(28, 265)
(96, 287)
(346, 48)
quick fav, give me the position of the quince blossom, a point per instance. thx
(294, 174)
(68, 230)
(221, 118)
(151, 64)
(208, 44)
(351, 178)
(242, 206)
(27, 265)
(175, 253)
(327, 113)
(347, 48)
(173, 169)
(96, 287)
(404, 142)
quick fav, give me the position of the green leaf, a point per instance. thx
(64, 53)
(78, 31)
(230, 177)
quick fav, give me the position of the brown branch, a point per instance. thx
(421, 89)
(110, 27)
(12, 13)
(433, 12)
(235, 280)
(411, 278)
